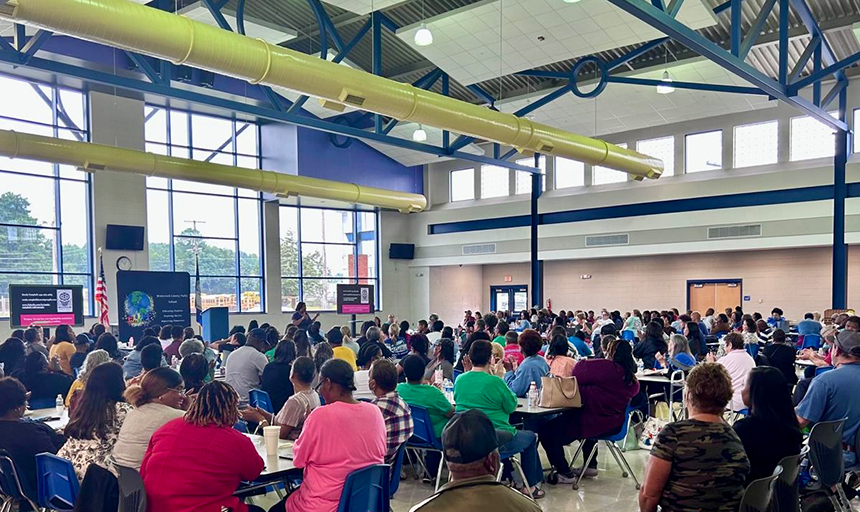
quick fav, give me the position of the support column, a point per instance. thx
(840, 189)
(536, 264)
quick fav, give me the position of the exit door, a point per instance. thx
(717, 294)
(509, 298)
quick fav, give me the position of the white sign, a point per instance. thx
(64, 301)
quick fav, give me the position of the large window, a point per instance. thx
(45, 235)
(810, 138)
(494, 181)
(220, 225)
(704, 151)
(321, 248)
(524, 179)
(662, 148)
(756, 144)
(604, 175)
(569, 173)
(463, 185)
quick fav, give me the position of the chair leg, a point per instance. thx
(576, 454)
(519, 468)
(279, 491)
(584, 467)
(620, 454)
(609, 446)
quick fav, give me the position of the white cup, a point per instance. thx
(271, 434)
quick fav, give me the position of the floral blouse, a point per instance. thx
(83, 452)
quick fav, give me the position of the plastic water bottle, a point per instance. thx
(533, 395)
(448, 389)
(60, 404)
(640, 365)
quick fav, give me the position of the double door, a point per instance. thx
(716, 294)
(509, 298)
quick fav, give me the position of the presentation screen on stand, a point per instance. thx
(152, 298)
(355, 299)
(46, 305)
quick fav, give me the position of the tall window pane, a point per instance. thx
(604, 175)
(704, 151)
(463, 185)
(662, 148)
(810, 138)
(524, 179)
(756, 144)
(44, 208)
(219, 226)
(569, 173)
(494, 181)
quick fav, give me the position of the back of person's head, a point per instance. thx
(776, 311)
(779, 336)
(512, 338)
(808, 316)
(413, 368)
(285, 351)
(165, 332)
(393, 331)
(152, 386)
(303, 344)
(404, 326)
(290, 332)
(480, 352)
(340, 374)
(384, 374)
(146, 340)
(272, 336)
(322, 353)
(480, 325)
(491, 321)
(13, 395)
(346, 332)
(723, 318)
(503, 328)
(608, 329)
(621, 352)
(768, 397)
(31, 335)
(191, 346)
(34, 364)
(257, 338)
(64, 333)
(334, 337)
(498, 351)
(82, 340)
(96, 409)
(93, 360)
(194, 369)
(177, 332)
(372, 334)
(420, 344)
(217, 404)
(188, 333)
(151, 356)
(605, 342)
(558, 346)
(749, 323)
(438, 325)
(530, 342)
(149, 331)
(365, 326)
(235, 329)
(448, 332)
(107, 342)
(367, 354)
(709, 388)
(734, 340)
(303, 370)
(446, 349)
(253, 324)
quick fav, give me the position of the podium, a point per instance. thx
(216, 324)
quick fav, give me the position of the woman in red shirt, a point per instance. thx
(195, 463)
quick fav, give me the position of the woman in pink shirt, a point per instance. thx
(560, 364)
(195, 463)
(338, 438)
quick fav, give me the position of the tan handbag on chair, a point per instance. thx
(559, 392)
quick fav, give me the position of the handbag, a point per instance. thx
(652, 429)
(559, 392)
(634, 433)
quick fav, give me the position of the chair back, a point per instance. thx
(628, 335)
(10, 482)
(786, 495)
(42, 403)
(423, 435)
(132, 495)
(261, 399)
(812, 341)
(752, 349)
(759, 492)
(628, 417)
(57, 483)
(394, 483)
(825, 451)
(366, 490)
(457, 373)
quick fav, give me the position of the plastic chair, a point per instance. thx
(261, 399)
(825, 453)
(424, 439)
(457, 373)
(11, 485)
(752, 349)
(786, 495)
(132, 495)
(628, 335)
(366, 490)
(394, 483)
(759, 492)
(616, 452)
(57, 483)
(812, 341)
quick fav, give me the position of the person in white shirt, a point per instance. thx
(435, 331)
(245, 366)
(368, 353)
(709, 318)
(739, 364)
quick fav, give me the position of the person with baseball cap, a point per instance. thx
(471, 446)
(833, 395)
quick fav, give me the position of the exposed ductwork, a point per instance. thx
(97, 157)
(131, 26)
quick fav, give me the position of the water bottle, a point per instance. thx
(640, 365)
(448, 388)
(60, 404)
(533, 395)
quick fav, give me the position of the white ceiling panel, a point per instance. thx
(623, 107)
(409, 157)
(255, 28)
(363, 6)
(466, 41)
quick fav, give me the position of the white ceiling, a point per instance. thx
(363, 6)
(466, 41)
(409, 157)
(254, 27)
(622, 107)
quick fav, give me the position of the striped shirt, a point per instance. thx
(398, 423)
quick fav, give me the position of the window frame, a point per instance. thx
(735, 145)
(791, 158)
(687, 153)
(556, 174)
(507, 181)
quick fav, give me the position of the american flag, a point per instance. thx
(101, 295)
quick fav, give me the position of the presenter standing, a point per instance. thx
(301, 319)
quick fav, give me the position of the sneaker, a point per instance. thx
(589, 472)
(568, 478)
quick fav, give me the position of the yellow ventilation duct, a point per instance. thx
(131, 26)
(97, 157)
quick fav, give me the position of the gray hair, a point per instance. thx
(678, 345)
(191, 346)
(94, 358)
(372, 334)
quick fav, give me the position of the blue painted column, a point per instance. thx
(536, 264)
(840, 189)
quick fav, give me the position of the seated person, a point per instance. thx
(245, 366)
(337, 439)
(194, 369)
(808, 325)
(23, 439)
(512, 347)
(471, 445)
(781, 354)
(443, 358)
(833, 395)
(698, 463)
(335, 339)
(479, 389)
(577, 339)
(395, 412)
(202, 443)
(777, 321)
(150, 358)
(276, 375)
(132, 366)
(771, 431)
(42, 383)
(94, 358)
(560, 364)
(652, 344)
(368, 354)
(680, 356)
(415, 392)
(291, 418)
(519, 377)
(739, 364)
(82, 348)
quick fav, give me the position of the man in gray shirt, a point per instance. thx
(244, 368)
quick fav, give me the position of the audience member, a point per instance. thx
(151, 357)
(94, 358)
(369, 354)
(348, 342)
(34, 341)
(314, 334)
(578, 341)
(303, 344)
(164, 336)
(502, 329)
(395, 412)
(322, 353)
(335, 339)
(653, 343)
(777, 321)
(374, 335)
(497, 361)
(397, 342)
(420, 346)
(808, 325)
(512, 347)
(721, 325)
(698, 463)
(194, 369)
(781, 354)
(132, 366)
(62, 348)
(292, 416)
(560, 364)
(13, 355)
(519, 377)
(43, 384)
(680, 356)
(415, 392)
(739, 364)
(246, 364)
(276, 376)
(443, 359)
(696, 339)
(82, 348)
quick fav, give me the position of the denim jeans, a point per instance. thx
(525, 443)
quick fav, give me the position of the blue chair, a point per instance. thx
(628, 335)
(720, 334)
(57, 483)
(424, 439)
(752, 349)
(241, 426)
(322, 400)
(366, 490)
(457, 373)
(616, 452)
(261, 399)
(12, 490)
(394, 483)
(812, 341)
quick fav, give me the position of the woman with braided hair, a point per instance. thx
(203, 443)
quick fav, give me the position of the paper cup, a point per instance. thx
(271, 434)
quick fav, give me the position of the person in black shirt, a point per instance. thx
(301, 319)
(276, 375)
(12, 355)
(771, 431)
(781, 355)
(82, 347)
(42, 383)
(23, 439)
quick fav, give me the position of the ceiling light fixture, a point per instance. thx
(572, 1)
(419, 135)
(668, 88)
(423, 37)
